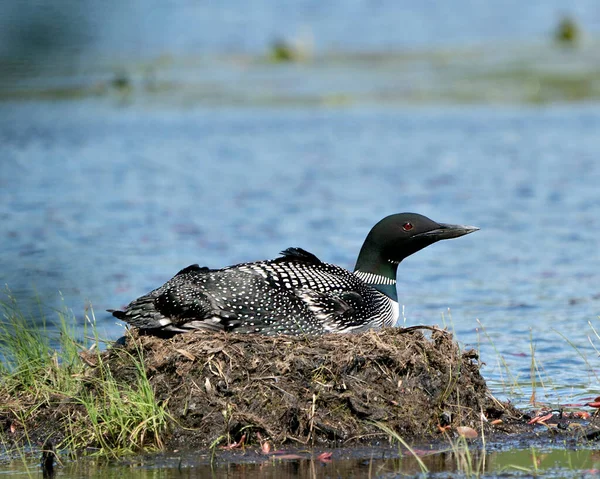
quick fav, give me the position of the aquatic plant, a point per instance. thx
(394, 436)
(567, 32)
(120, 418)
(509, 381)
(33, 359)
(42, 370)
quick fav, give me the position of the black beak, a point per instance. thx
(446, 231)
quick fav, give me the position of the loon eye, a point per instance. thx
(407, 226)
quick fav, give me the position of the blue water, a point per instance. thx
(104, 204)
(104, 198)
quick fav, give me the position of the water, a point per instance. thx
(383, 462)
(104, 204)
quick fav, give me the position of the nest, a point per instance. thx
(330, 390)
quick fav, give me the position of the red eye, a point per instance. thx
(407, 226)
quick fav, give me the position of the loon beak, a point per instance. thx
(447, 231)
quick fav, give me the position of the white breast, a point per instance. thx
(395, 312)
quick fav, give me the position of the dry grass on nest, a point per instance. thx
(331, 389)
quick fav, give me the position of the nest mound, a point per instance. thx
(330, 389)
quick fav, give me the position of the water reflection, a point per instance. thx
(360, 462)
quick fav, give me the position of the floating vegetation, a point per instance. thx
(567, 32)
(489, 74)
(282, 51)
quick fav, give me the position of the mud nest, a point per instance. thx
(330, 390)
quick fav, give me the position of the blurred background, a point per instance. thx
(139, 137)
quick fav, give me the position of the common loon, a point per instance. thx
(294, 294)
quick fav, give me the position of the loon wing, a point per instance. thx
(298, 254)
(329, 307)
(177, 306)
(295, 292)
(193, 268)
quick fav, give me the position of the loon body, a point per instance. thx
(294, 294)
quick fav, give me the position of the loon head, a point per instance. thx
(397, 236)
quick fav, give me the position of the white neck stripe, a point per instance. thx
(372, 278)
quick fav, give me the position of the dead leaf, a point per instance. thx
(235, 445)
(581, 414)
(265, 447)
(466, 431)
(186, 354)
(541, 419)
(325, 456)
(546, 417)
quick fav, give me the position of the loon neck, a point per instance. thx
(378, 273)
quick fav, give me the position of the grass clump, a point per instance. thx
(29, 360)
(47, 391)
(119, 418)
